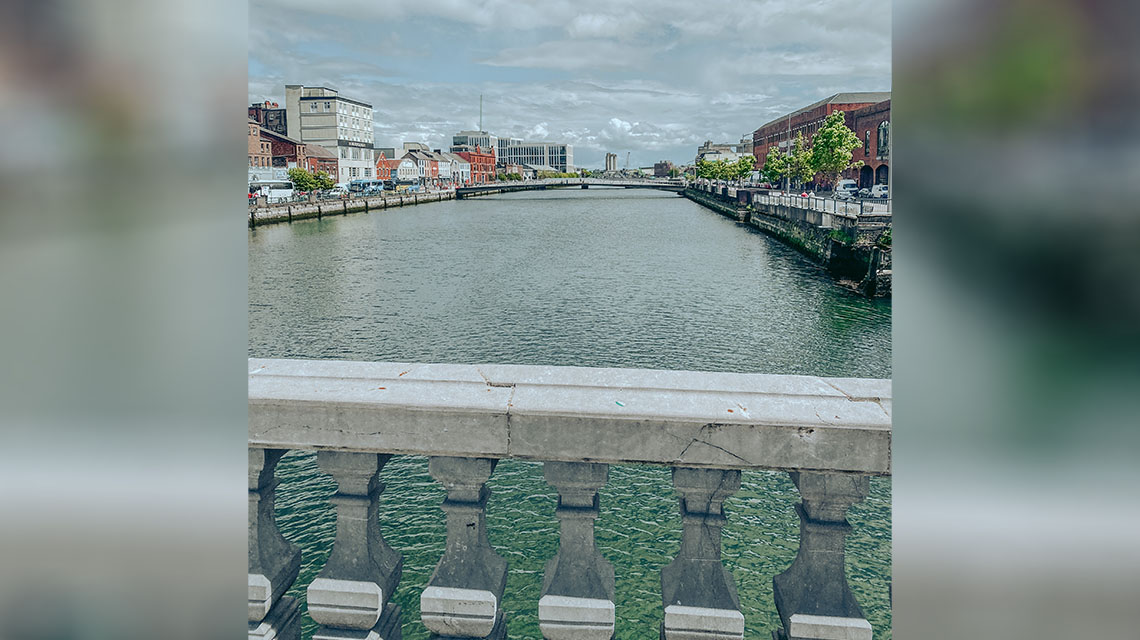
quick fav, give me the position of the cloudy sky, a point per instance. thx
(653, 78)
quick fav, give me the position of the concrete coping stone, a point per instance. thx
(702, 623)
(574, 414)
(456, 612)
(810, 627)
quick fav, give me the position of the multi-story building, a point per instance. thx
(611, 162)
(662, 169)
(744, 147)
(321, 116)
(466, 140)
(285, 152)
(460, 168)
(482, 162)
(427, 165)
(270, 116)
(780, 132)
(552, 154)
(717, 149)
(873, 126)
(260, 151)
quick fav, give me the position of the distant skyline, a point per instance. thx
(652, 79)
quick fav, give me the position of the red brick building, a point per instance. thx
(873, 126)
(318, 158)
(259, 150)
(285, 151)
(482, 164)
(269, 115)
(780, 132)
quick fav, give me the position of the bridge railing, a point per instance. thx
(830, 434)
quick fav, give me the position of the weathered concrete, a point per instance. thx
(578, 586)
(351, 593)
(267, 214)
(273, 561)
(696, 584)
(283, 622)
(573, 414)
(464, 592)
(816, 583)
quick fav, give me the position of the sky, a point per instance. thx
(651, 79)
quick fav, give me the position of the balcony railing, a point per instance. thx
(829, 434)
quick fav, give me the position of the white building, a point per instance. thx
(407, 170)
(554, 154)
(319, 115)
(460, 169)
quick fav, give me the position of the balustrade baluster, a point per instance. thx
(698, 593)
(465, 592)
(577, 600)
(273, 560)
(350, 598)
(812, 597)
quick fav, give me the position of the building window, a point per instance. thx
(328, 106)
(867, 142)
(343, 153)
(312, 106)
(884, 137)
(367, 172)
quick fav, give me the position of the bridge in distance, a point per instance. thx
(675, 186)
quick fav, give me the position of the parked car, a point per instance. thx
(864, 193)
(846, 189)
(879, 191)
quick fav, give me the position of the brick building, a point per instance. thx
(270, 116)
(662, 169)
(285, 151)
(780, 132)
(482, 162)
(873, 126)
(260, 152)
(318, 158)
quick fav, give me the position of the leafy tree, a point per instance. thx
(831, 147)
(674, 172)
(324, 180)
(801, 164)
(302, 180)
(743, 166)
(775, 166)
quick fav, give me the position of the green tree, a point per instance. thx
(775, 166)
(743, 166)
(801, 164)
(831, 147)
(302, 180)
(324, 180)
(674, 172)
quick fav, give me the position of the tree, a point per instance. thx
(775, 166)
(801, 164)
(324, 180)
(832, 146)
(674, 172)
(743, 166)
(302, 180)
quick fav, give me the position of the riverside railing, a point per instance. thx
(829, 434)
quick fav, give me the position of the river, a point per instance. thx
(598, 278)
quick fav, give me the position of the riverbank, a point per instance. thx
(318, 209)
(855, 249)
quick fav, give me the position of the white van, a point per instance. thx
(846, 189)
(879, 191)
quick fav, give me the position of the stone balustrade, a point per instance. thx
(829, 434)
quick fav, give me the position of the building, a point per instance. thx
(482, 161)
(285, 152)
(780, 132)
(744, 147)
(873, 126)
(553, 154)
(321, 116)
(318, 158)
(389, 152)
(270, 116)
(399, 170)
(415, 146)
(427, 165)
(260, 152)
(460, 168)
(466, 140)
(709, 148)
(662, 169)
(611, 162)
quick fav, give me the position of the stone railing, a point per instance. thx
(830, 434)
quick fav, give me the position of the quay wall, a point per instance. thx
(854, 249)
(301, 210)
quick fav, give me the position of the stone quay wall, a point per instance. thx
(289, 212)
(854, 248)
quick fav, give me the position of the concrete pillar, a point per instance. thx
(812, 597)
(577, 600)
(350, 596)
(698, 593)
(273, 560)
(464, 594)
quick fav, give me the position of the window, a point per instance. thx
(328, 106)
(367, 172)
(343, 153)
(884, 137)
(867, 142)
